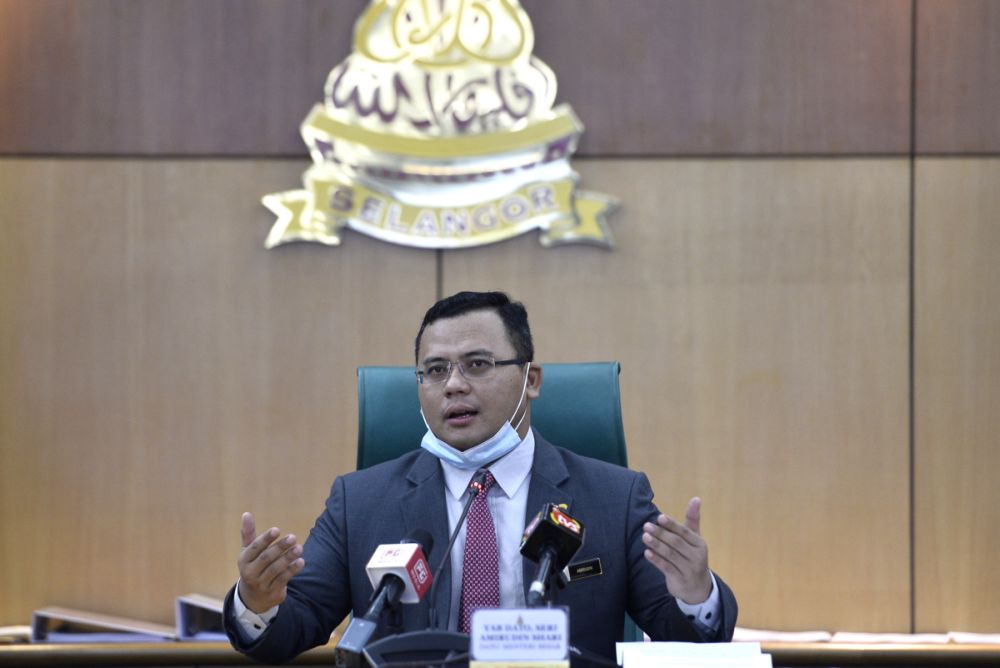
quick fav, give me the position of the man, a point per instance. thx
(476, 379)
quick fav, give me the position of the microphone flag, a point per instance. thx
(552, 529)
(407, 562)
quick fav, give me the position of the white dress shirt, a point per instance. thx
(508, 501)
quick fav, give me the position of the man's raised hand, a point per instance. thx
(266, 565)
(681, 554)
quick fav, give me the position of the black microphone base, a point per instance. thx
(427, 648)
(350, 649)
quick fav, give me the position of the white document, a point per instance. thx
(975, 638)
(692, 655)
(765, 635)
(10, 635)
(892, 638)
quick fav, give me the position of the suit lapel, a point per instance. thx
(422, 506)
(548, 485)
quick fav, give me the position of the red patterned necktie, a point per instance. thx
(481, 567)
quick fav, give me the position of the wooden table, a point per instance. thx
(221, 654)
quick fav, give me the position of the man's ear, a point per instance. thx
(534, 381)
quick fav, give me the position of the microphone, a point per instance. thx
(432, 646)
(400, 574)
(551, 540)
(475, 487)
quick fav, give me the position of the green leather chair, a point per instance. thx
(579, 408)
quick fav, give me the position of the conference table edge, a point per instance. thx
(221, 654)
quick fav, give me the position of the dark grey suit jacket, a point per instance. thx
(383, 503)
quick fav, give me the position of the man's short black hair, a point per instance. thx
(513, 315)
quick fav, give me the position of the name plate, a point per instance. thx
(520, 635)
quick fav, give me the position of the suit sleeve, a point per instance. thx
(648, 602)
(319, 597)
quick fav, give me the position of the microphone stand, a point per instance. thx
(433, 646)
(475, 486)
(543, 575)
(552, 580)
(384, 609)
(383, 617)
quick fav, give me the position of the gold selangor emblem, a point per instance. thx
(440, 130)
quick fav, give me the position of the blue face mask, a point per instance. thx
(487, 452)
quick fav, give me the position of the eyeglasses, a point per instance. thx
(476, 367)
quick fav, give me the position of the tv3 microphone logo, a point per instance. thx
(419, 572)
(564, 520)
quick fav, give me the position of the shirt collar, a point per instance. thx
(510, 471)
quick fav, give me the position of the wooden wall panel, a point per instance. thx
(957, 395)
(958, 80)
(719, 77)
(162, 373)
(647, 77)
(203, 77)
(759, 310)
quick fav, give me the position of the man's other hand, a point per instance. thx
(681, 554)
(266, 565)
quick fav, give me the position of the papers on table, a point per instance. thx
(850, 637)
(974, 638)
(891, 638)
(197, 617)
(692, 655)
(67, 625)
(13, 635)
(764, 635)
(957, 637)
(745, 650)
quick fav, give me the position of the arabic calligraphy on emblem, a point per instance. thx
(440, 112)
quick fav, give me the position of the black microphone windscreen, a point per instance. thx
(422, 538)
(552, 529)
(478, 481)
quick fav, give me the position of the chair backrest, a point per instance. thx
(579, 408)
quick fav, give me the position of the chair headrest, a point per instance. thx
(579, 408)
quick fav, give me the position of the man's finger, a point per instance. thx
(692, 518)
(670, 542)
(282, 569)
(260, 555)
(248, 529)
(661, 547)
(666, 566)
(682, 531)
(259, 544)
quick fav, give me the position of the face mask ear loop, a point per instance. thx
(524, 391)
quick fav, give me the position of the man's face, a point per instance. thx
(463, 412)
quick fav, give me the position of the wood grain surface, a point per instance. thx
(957, 369)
